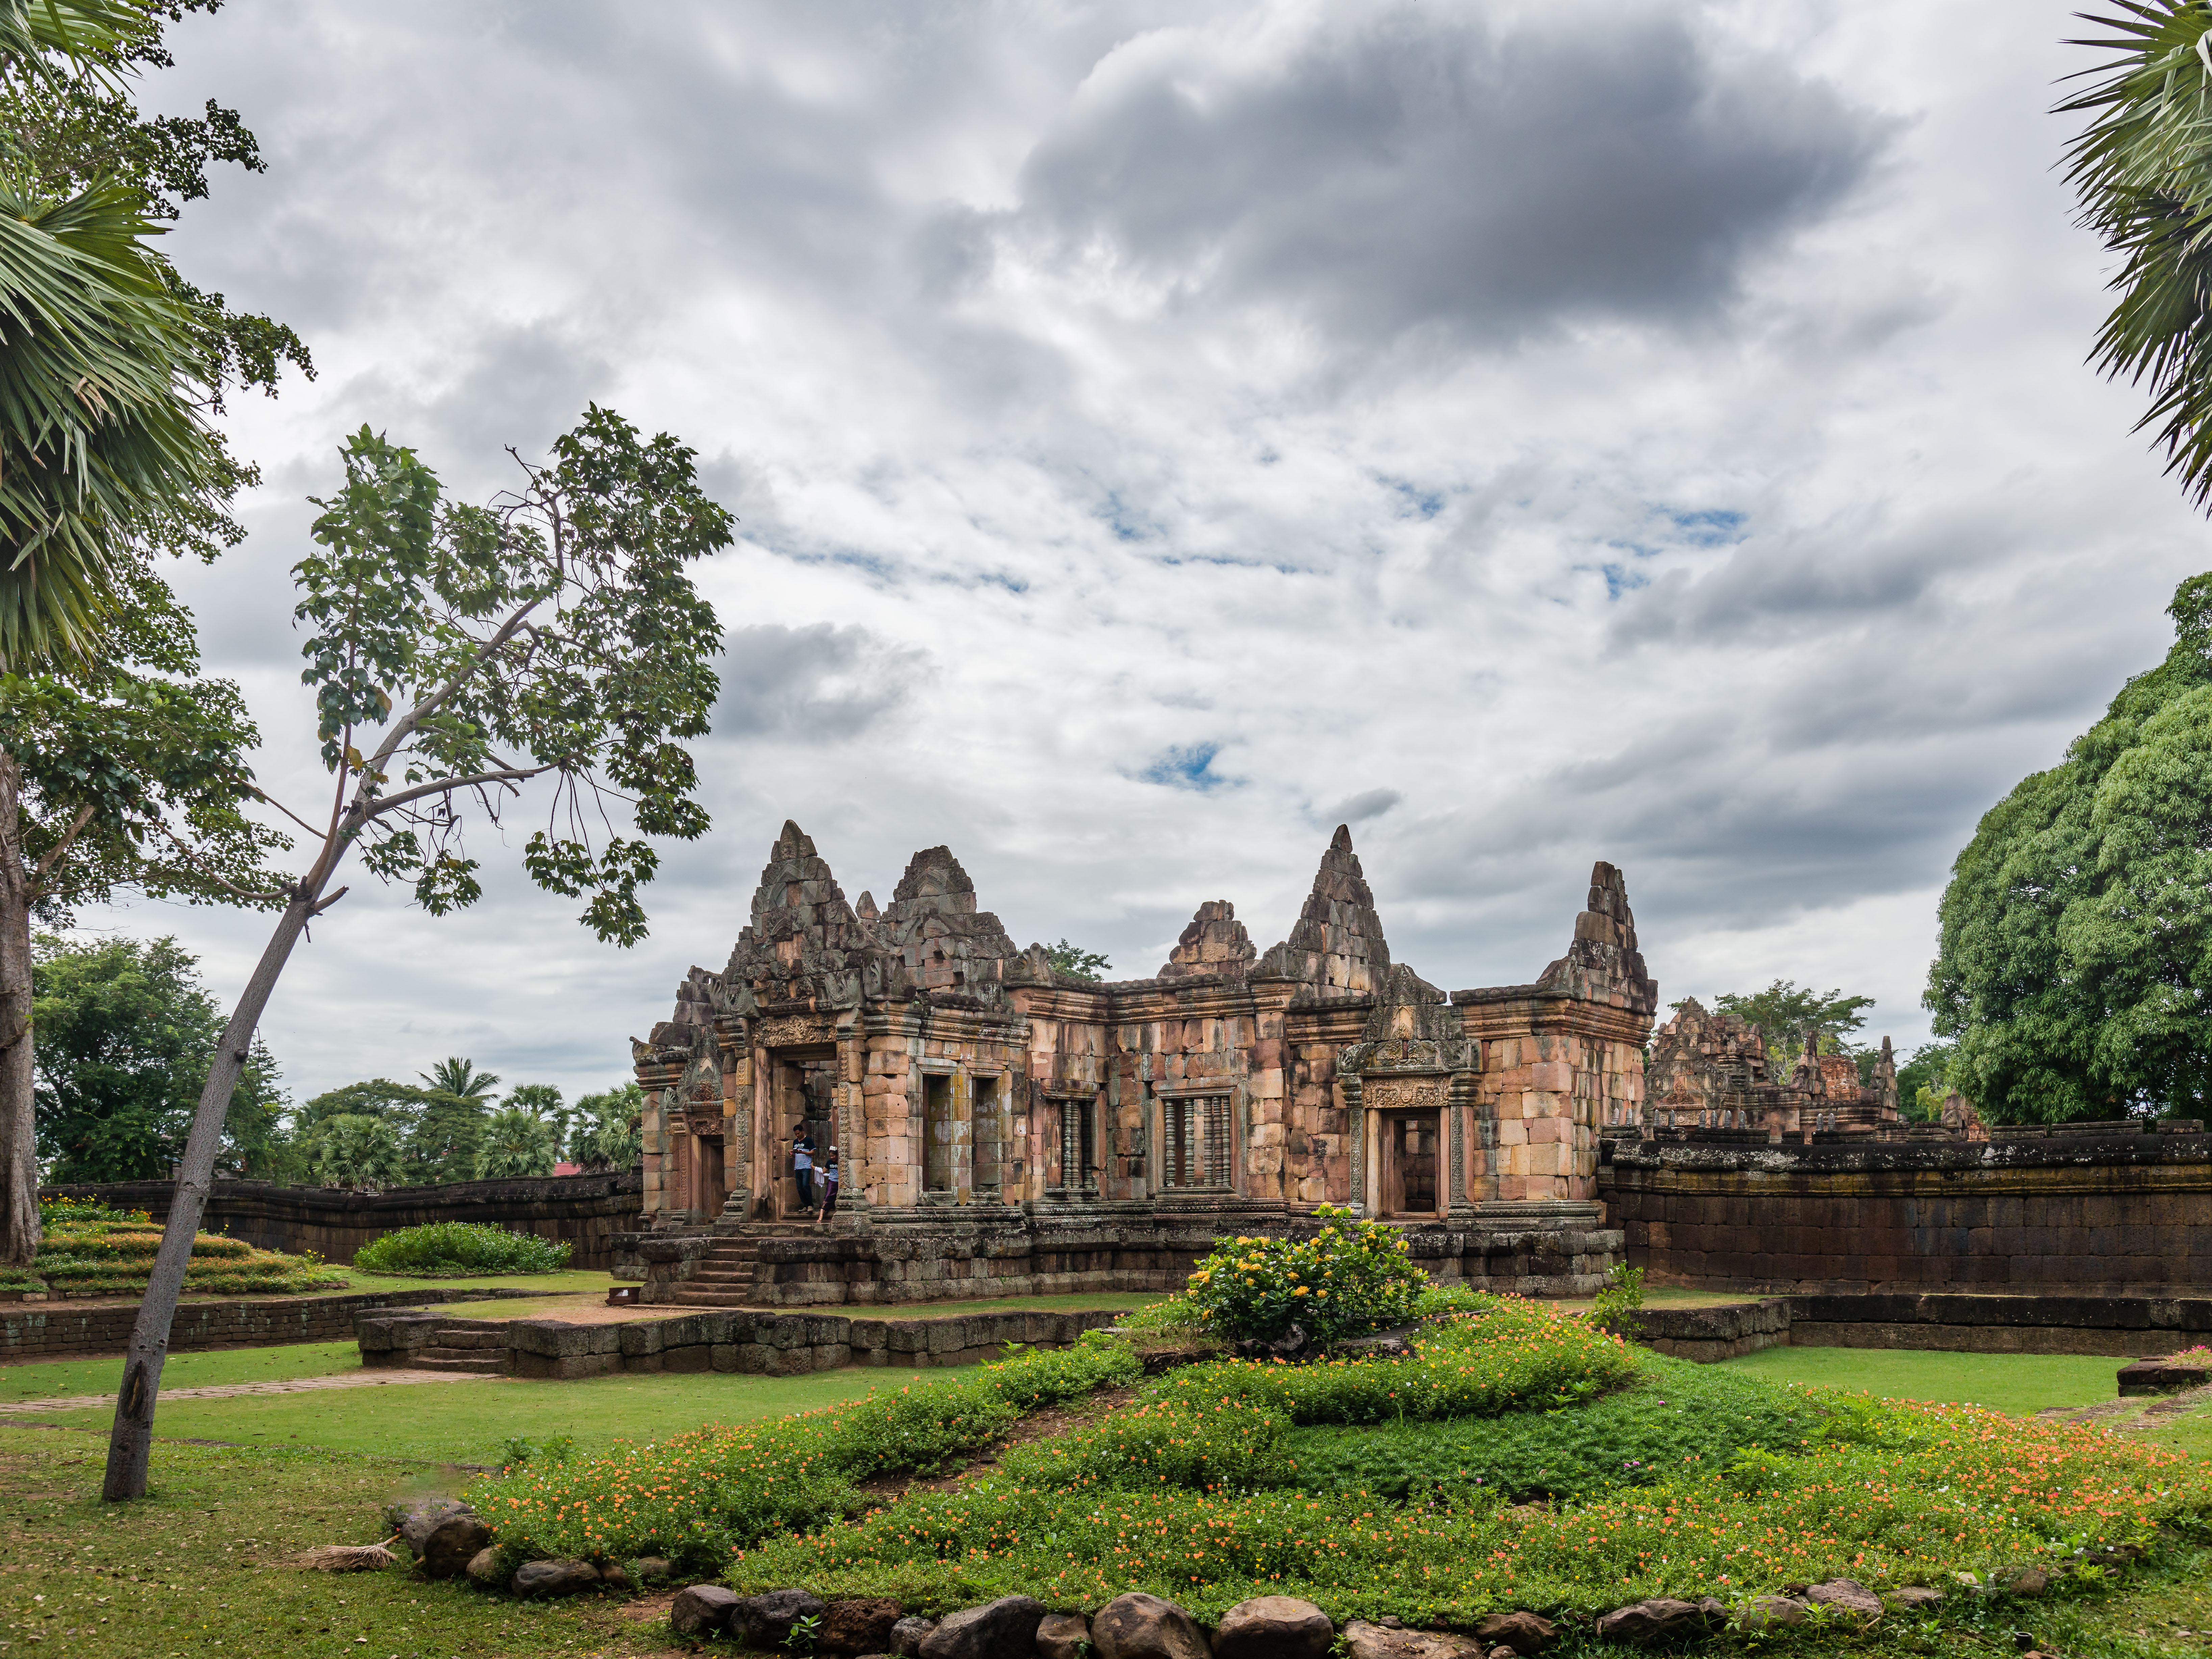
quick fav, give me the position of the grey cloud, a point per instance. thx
(820, 683)
(1417, 168)
(1368, 804)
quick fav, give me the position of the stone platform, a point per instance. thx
(1559, 1249)
(748, 1341)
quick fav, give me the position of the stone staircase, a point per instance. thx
(723, 1276)
(470, 1346)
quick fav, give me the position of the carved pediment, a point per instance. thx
(1430, 1054)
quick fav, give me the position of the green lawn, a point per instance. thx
(470, 1422)
(50, 1379)
(198, 1568)
(2017, 1382)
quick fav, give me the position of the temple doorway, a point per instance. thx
(801, 1100)
(1410, 1145)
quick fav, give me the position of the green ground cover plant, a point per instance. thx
(1680, 1419)
(444, 1248)
(704, 1497)
(1886, 1494)
(1507, 1354)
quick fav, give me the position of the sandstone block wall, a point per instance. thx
(2124, 1213)
(586, 1210)
(68, 1330)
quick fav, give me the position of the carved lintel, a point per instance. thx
(791, 1032)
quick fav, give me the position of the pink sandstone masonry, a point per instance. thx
(1093, 1134)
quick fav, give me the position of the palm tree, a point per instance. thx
(460, 1078)
(101, 443)
(2143, 168)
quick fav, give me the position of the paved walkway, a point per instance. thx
(378, 1379)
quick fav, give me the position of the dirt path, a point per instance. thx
(233, 1390)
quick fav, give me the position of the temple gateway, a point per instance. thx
(1004, 1128)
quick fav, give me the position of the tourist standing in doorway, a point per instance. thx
(802, 1167)
(829, 1189)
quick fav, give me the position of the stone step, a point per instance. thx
(470, 1336)
(457, 1359)
(712, 1276)
(732, 1296)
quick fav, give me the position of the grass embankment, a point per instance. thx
(2021, 1383)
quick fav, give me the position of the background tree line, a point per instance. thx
(125, 1035)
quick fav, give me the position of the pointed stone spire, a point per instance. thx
(1214, 942)
(803, 933)
(864, 908)
(1603, 964)
(934, 927)
(1337, 946)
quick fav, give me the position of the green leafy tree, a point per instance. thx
(400, 1104)
(517, 1142)
(2142, 170)
(1074, 961)
(543, 1100)
(125, 1033)
(126, 770)
(444, 1139)
(458, 653)
(607, 1135)
(1923, 1080)
(1786, 1014)
(2073, 969)
(455, 1075)
(354, 1151)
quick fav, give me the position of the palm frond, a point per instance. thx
(98, 429)
(2142, 170)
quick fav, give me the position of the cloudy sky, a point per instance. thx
(1534, 433)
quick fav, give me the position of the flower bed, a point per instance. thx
(1373, 1488)
(112, 1255)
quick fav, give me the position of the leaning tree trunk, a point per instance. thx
(131, 1441)
(19, 1150)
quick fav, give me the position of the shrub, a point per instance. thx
(1351, 1277)
(446, 1249)
(1617, 1303)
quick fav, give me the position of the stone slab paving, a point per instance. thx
(234, 1391)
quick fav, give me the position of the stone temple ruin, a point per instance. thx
(1708, 1080)
(1005, 1129)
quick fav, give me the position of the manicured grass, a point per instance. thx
(2021, 1383)
(470, 1422)
(1669, 1296)
(52, 1379)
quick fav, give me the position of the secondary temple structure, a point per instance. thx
(1005, 1127)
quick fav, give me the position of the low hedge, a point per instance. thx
(455, 1249)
